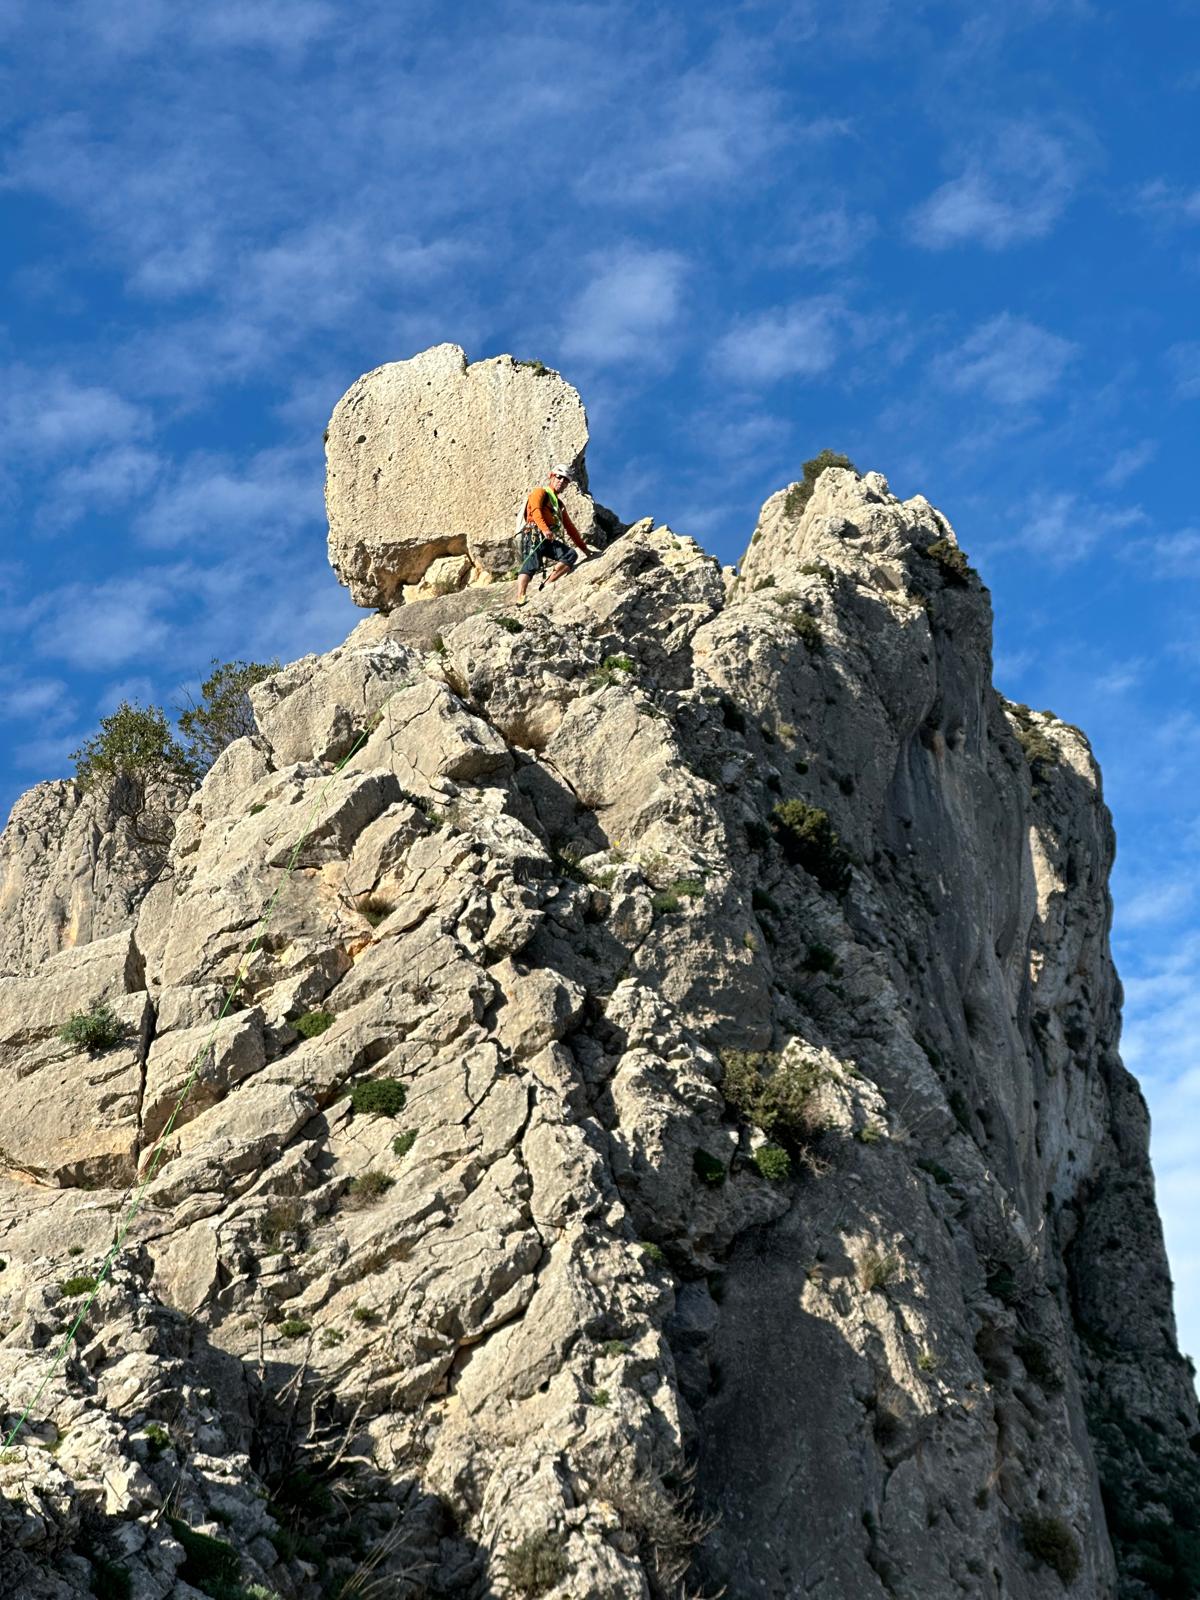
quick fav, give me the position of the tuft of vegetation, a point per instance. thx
(1035, 746)
(538, 368)
(869, 1133)
(708, 1169)
(773, 1092)
(878, 1268)
(510, 624)
(135, 743)
(223, 712)
(773, 1162)
(801, 493)
(375, 907)
(935, 1170)
(820, 958)
(749, 942)
(294, 1328)
(259, 805)
(652, 1252)
(613, 669)
(282, 1220)
(72, 1288)
(666, 903)
(956, 569)
(157, 1438)
(927, 1361)
(538, 1563)
(97, 1028)
(808, 629)
(369, 1188)
(808, 840)
(312, 1023)
(403, 1143)
(331, 1338)
(1050, 1541)
(364, 1316)
(110, 1580)
(380, 1097)
(614, 1347)
(209, 1564)
(601, 1397)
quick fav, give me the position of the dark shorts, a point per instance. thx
(550, 551)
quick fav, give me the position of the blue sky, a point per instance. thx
(961, 245)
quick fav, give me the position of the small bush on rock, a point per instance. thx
(375, 907)
(536, 1564)
(1049, 1540)
(774, 1092)
(808, 840)
(808, 629)
(97, 1028)
(956, 569)
(878, 1268)
(294, 1328)
(801, 493)
(1035, 746)
(223, 712)
(313, 1023)
(773, 1162)
(708, 1169)
(209, 1565)
(72, 1288)
(403, 1143)
(381, 1097)
(369, 1188)
(611, 670)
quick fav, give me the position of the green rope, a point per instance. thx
(263, 925)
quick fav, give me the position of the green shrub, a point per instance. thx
(403, 1143)
(801, 493)
(956, 569)
(708, 1169)
(209, 1564)
(773, 1092)
(510, 624)
(365, 1316)
(157, 1438)
(259, 805)
(927, 1361)
(135, 743)
(611, 670)
(538, 368)
(72, 1288)
(749, 942)
(282, 1219)
(614, 1347)
(601, 1397)
(369, 1188)
(97, 1028)
(666, 903)
(773, 1162)
(809, 630)
(652, 1252)
(331, 1338)
(536, 1564)
(808, 840)
(381, 1097)
(312, 1023)
(110, 1580)
(820, 958)
(869, 1133)
(935, 1170)
(294, 1328)
(1035, 746)
(1049, 1540)
(223, 713)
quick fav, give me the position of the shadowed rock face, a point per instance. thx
(428, 465)
(475, 1211)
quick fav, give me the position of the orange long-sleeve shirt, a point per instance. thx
(539, 510)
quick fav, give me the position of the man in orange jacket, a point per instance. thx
(546, 515)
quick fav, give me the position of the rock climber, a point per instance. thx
(546, 521)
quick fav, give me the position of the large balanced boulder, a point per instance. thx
(431, 458)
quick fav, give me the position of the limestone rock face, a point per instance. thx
(682, 1047)
(431, 459)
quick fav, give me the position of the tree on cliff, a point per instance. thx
(146, 771)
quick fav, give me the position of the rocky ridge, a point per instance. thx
(672, 1135)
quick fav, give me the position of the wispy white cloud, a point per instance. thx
(628, 308)
(1007, 360)
(1013, 188)
(211, 502)
(1168, 202)
(830, 236)
(1063, 528)
(1129, 461)
(52, 413)
(1183, 362)
(799, 340)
